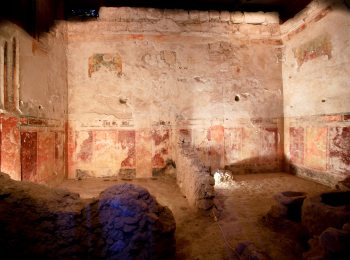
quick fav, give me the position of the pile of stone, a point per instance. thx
(125, 222)
(134, 225)
(195, 179)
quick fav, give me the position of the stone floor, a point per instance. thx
(242, 203)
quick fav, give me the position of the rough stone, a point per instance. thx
(278, 211)
(154, 14)
(254, 18)
(247, 251)
(237, 17)
(272, 18)
(204, 16)
(177, 15)
(225, 16)
(214, 16)
(36, 222)
(335, 240)
(319, 212)
(346, 227)
(194, 16)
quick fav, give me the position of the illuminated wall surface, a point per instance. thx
(123, 94)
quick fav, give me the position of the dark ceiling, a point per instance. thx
(36, 16)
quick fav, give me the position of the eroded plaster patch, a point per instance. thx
(109, 61)
(317, 47)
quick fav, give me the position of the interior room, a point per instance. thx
(194, 129)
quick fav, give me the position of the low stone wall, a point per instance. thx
(125, 222)
(194, 179)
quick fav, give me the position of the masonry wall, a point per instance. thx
(33, 103)
(316, 92)
(142, 80)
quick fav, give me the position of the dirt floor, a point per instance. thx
(242, 204)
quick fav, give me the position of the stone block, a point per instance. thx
(272, 18)
(123, 13)
(214, 16)
(225, 16)
(254, 18)
(177, 15)
(204, 16)
(154, 14)
(194, 15)
(237, 17)
(278, 211)
(249, 29)
(335, 240)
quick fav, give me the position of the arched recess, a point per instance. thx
(15, 73)
(3, 75)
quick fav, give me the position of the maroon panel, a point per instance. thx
(10, 157)
(0, 148)
(29, 142)
(339, 150)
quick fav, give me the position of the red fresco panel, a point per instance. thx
(250, 144)
(10, 147)
(269, 145)
(0, 149)
(296, 147)
(70, 152)
(233, 145)
(320, 46)
(158, 161)
(102, 139)
(316, 148)
(28, 155)
(216, 136)
(46, 155)
(103, 142)
(201, 145)
(59, 153)
(185, 137)
(339, 149)
(143, 153)
(104, 151)
(86, 148)
(127, 140)
(160, 149)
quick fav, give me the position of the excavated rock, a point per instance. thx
(326, 210)
(125, 222)
(332, 243)
(247, 251)
(134, 224)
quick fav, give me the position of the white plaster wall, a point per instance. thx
(178, 67)
(321, 78)
(42, 70)
(316, 92)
